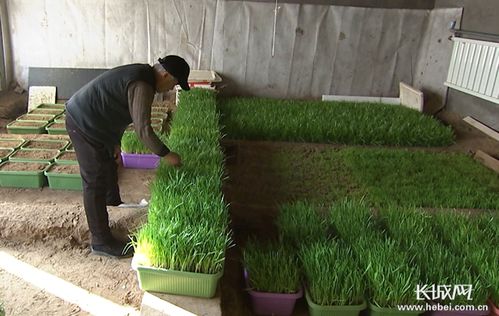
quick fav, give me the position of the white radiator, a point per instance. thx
(474, 68)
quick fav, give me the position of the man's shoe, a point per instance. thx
(114, 249)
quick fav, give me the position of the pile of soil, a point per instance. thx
(7, 143)
(28, 123)
(68, 155)
(39, 154)
(40, 144)
(46, 111)
(35, 117)
(67, 169)
(23, 166)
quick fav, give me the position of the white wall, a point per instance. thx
(318, 49)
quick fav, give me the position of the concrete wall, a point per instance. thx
(387, 4)
(478, 16)
(313, 50)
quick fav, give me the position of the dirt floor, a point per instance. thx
(47, 228)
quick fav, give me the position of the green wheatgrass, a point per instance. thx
(331, 273)
(330, 122)
(187, 226)
(271, 267)
(299, 223)
(423, 179)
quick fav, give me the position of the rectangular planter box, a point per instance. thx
(43, 111)
(50, 144)
(69, 147)
(38, 129)
(63, 181)
(140, 161)
(13, 157)
(177, 282)
(265, 303)
(62, 161)
(320, 310)
(36, 117)
(60, 118)
(22, 179)
(56, 130)
(11, 143)
(56, 106)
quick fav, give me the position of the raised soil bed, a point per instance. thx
(45, 144)
(64, 177)
(34, 155)
(22, 174)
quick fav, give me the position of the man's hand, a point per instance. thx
(117, 154)
(173, 159)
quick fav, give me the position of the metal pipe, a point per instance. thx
(274, 30)
(473, 34)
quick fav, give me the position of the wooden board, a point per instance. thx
(40, 94)
(487, 160)
(350, 98)
(482, 127)
(411, 97)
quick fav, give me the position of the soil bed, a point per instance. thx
(41, 154)
(67, 169)
(10, 143)
(46, 111)
(58, 125)
(35, 117)
(44, 144)
(23, 166)
(67, 156)
(29, 123)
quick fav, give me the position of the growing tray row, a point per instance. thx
(39, 155)
(19, 174)
(14, 144)
(185, 256)
(46, 118)
(354, 258)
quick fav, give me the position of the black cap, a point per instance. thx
(177, 67)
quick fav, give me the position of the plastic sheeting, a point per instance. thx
(318, 49)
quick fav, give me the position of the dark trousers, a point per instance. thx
(99, 174)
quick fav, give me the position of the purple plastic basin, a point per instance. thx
(140, 161)
(265, 303)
